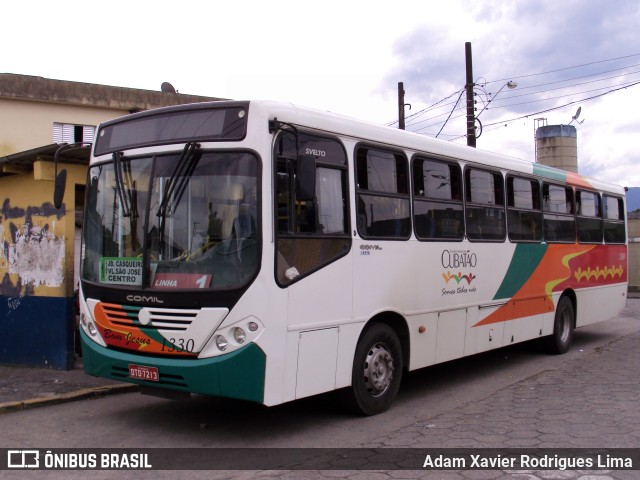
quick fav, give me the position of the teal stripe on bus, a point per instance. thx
(526, 258)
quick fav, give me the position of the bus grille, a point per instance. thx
(149, 318)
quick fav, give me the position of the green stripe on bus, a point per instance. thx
(239, 374)
(525, 260)
(548, 172)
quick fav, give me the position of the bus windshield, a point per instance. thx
(179, 221)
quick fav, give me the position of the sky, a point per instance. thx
(348, 56)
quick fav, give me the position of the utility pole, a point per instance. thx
(471, 116)
(401, 105)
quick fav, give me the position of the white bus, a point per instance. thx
(267, 252)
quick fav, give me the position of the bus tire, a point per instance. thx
(377, 371)
(562, 337)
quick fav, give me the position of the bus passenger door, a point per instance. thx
(313, 240)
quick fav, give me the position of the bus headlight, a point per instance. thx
(239, 335)
(92, 329)
(88, 325)
(222, 343)
(88, 322)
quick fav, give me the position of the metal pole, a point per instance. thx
(471, 117)
(401, 105)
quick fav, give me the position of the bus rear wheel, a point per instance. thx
(562, 337)
(377, 371)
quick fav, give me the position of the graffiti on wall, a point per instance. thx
(31, 249)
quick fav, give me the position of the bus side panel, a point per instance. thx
(523, 329)
(319, 309)
(348, 341)
(423, 330)
(598, 276)
(317, 358)
(592, 302)
(272, 341)
(452, 329)
(485, 337)
(386, 275)
(418, 279)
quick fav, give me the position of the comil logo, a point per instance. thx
(23, 459)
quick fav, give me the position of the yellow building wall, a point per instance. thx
(37, 254)
(25, 125)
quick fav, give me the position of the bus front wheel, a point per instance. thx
(560, 341)
(377, 371)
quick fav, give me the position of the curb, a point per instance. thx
(66, 397)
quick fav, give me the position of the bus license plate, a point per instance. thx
(142, 372)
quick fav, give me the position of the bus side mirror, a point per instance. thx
(306, 178)
(59, 187)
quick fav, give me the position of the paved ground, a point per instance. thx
(589, 402)
(25, 387)
(586, 402)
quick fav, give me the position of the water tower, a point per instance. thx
(557, 146)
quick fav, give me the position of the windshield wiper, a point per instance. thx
(124, 197)
(179, 178)
(177, 183)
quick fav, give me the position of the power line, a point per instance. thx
(565, 68)
(505, 122)
(624, 85)
(454, 107)
(433, 110)
(426, 109)
(562, 106)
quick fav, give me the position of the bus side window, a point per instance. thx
(437, 200)
(484, 212)
(383, 209)
(589, 217)
(559, 220)
(524, 210)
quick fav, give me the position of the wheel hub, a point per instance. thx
(378, 370)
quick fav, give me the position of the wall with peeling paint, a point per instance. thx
(36, 270)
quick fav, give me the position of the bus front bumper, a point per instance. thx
(239, 374)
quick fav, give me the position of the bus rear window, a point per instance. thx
(614, 228)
